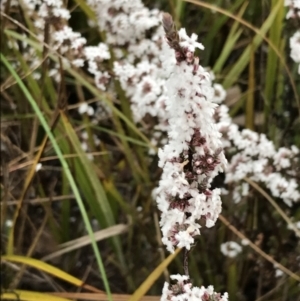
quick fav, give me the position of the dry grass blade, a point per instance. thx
(250, 95)
(40, 200)
(42, 266)
(28, 179)
(146, 285)
(30, 296)
(85, 240)
(278, 209)
(101, 297)
(30, 252)
(50, 158)
(258, 250)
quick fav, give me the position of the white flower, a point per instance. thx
(278, 273)
(100, 52)
(85, 108)
(189, 42)
(8, 223)
(295, 47)
(84, 146)
(61, 13)
(245, 189)
(90, 111)
(245, 242)
(185, 240)
(101, 79)
(231, 249)
(219, 93)
(296, 224)
(78, 62)
(38, 167)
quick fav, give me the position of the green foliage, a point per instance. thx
(246, 44)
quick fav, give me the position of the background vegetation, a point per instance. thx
(47, 214)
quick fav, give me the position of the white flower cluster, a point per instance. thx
(255, 157)
(139, 65)
(294, 8)
(62, 38)
(124, 21)
(70, 44)
(67, 40)
(95, 55)
(145, 88)
(41, 6)
(50, 11)
(143, 64)
(190, 160)
(193, 155)
(183, 290)
(294, 12)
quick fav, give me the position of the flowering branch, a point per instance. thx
(255, 157)
(193, 155)
(191, 159)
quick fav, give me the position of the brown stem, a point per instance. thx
(186, 262)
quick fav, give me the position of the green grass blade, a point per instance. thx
(244, 59)
(272, 60)
(66, 170)
(233, 36)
